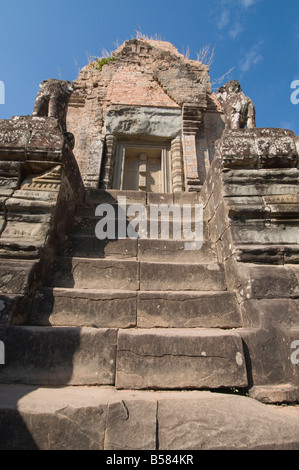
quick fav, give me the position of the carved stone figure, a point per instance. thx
(238, 109)
(52, 100)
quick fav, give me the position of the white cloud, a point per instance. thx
(232, 17)
(251, 58)
(247, 3)
(235, 30)
(224, 19)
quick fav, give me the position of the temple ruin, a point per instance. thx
(136, 342)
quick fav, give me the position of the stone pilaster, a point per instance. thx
(107, 172)
(177, 170)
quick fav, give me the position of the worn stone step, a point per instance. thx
(175, 251)
(154, 225)
(58, 356)
(90, 246)
(126, 309)
(86, 273)
(181, 276)
(187, 310)
(180, 359)
(100, 196)
(84, 307)
(142, 249)
(102, 418)
(93, 273)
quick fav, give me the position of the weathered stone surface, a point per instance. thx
(16, 276)
(188, 310)
(174, 251)
(179, 276)
(179, 359)
(84, 273)
(284, 393)
(80, 246)
(143, 121)
(101, 418)
(208, 421)
(52, 100)
(64, 418)
(239, 110)
(269, 350)
(58, 356)
(101, 196)
(258, 148)
(84, 307)
(31, 138)
(131, 421)
(265, 282)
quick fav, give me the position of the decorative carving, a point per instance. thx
(107, 178)
(177, 166)
(239, 110)
(48, 181)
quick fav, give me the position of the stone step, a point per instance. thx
(58, 356)
(175, 251)
(127, 309)
(102, 418)
(90, 273)
(89, 246)
(154, 225)
(87, 273)
(187, 310)
(181, 276)
(141, 249)
(100, 196)
(180, 359)
(84, 307)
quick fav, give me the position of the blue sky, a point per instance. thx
(259, 38)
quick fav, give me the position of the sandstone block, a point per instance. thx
(178, 359)
(179, 276)
(84, 273)
(188, 310)
(58, 356)
(84, 307)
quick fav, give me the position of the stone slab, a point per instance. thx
(101, 418)
(131, 421)
(181, 276)
(87, 273)
(213, 421)
(110, 196)
(188, 310)
(58, 356)
(90, 246)
(179, 359)
(174, 250)
(64, 418)
(16, 276)
(84, 307)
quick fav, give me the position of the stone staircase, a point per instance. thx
(129, 326)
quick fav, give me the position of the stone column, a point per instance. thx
(107, 172)
(177, 170)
